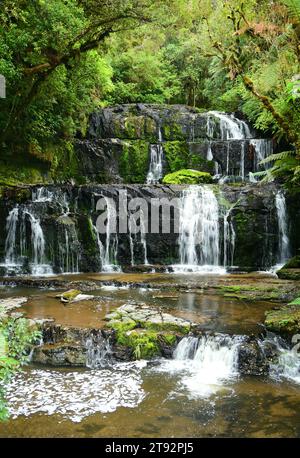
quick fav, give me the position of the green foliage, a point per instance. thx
(134, 161)
(16, 339)
(187, 176)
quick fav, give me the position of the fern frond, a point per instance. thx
(277, 157)
(294, 8)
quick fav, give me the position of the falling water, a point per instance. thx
(109, 251)
(155, 172)
(229, 240)
(42, 194)
(284, 243)
(99, 351)
(16, 242)
(231, 128)
(262, 149)
(211, 361)
(137, 240)
(199, 230)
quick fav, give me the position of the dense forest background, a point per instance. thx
(64, 58)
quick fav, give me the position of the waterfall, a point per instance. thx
(284, 243)
(98, 352)
(262, 149)
(68, 249)
(109, 251)
(199, 230)
(42, 194)
(155, 172)
(211, 360)
(286, 361)
(231, 128)
(229, 240)
(16, 242)
(137, 240)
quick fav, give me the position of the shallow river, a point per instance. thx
(156, 399)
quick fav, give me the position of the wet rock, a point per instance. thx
(74, 295)
(60, 355)
(252, 359)
(284, 321)
(12, 303)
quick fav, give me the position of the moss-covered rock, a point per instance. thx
(187, 176)
(284, 321)
(177, 155)
(146, 331)
(134, 161)
(69, 296)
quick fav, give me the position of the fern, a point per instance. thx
(294, 8)
(277, 157)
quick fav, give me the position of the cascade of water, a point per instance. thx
(262, 149)
(229, 240)
(109, 252)
(155, 172)
(16, 241)
(42, 194)
(212, 360)
(11, 238)
(242, 162)
(138, 239)
(284, 243)
(286, 364)
(99, 351)
(231, 127)
(68, 249)
(199, 230)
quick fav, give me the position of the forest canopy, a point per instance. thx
(64, 58)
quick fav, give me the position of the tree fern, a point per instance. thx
(277, 157)
(294, 8)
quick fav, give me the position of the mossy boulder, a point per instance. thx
(291, 270)
(147, 332)
(188, 176)
(284, 321)
(69, 296)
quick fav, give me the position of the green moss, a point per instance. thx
(170, 339)
(187, 176)
(293, 263)
(295, 301)
(70, 295)
(285, 321)
(177, 155)
(134, 161)
(173, 131)
(289, 274)
(161, 327)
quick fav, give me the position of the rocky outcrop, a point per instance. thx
(285, 320)
(67, 216)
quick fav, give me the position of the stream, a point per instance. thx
(197, 393)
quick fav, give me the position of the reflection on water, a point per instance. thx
(197, 394)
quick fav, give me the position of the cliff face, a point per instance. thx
(55, 228)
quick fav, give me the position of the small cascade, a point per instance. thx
(286, 360)
(137, 241)
(109, 251)
(42, 194)
(284, 243)
(262, 148)
(229, 240)
(68, 249)
(231, 128)
(19, 221)
(155, 172)
(199, 230)
(211, 360)
(99, 351)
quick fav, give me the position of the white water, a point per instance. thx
(262, 149)
(229, 240)
(16, 242)
(206, 363)
(75, 395)
(98, 351)
(231, 127)
(155, 172)
(109, 252)
(137, 239)
(199, 231)
(284, 243)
